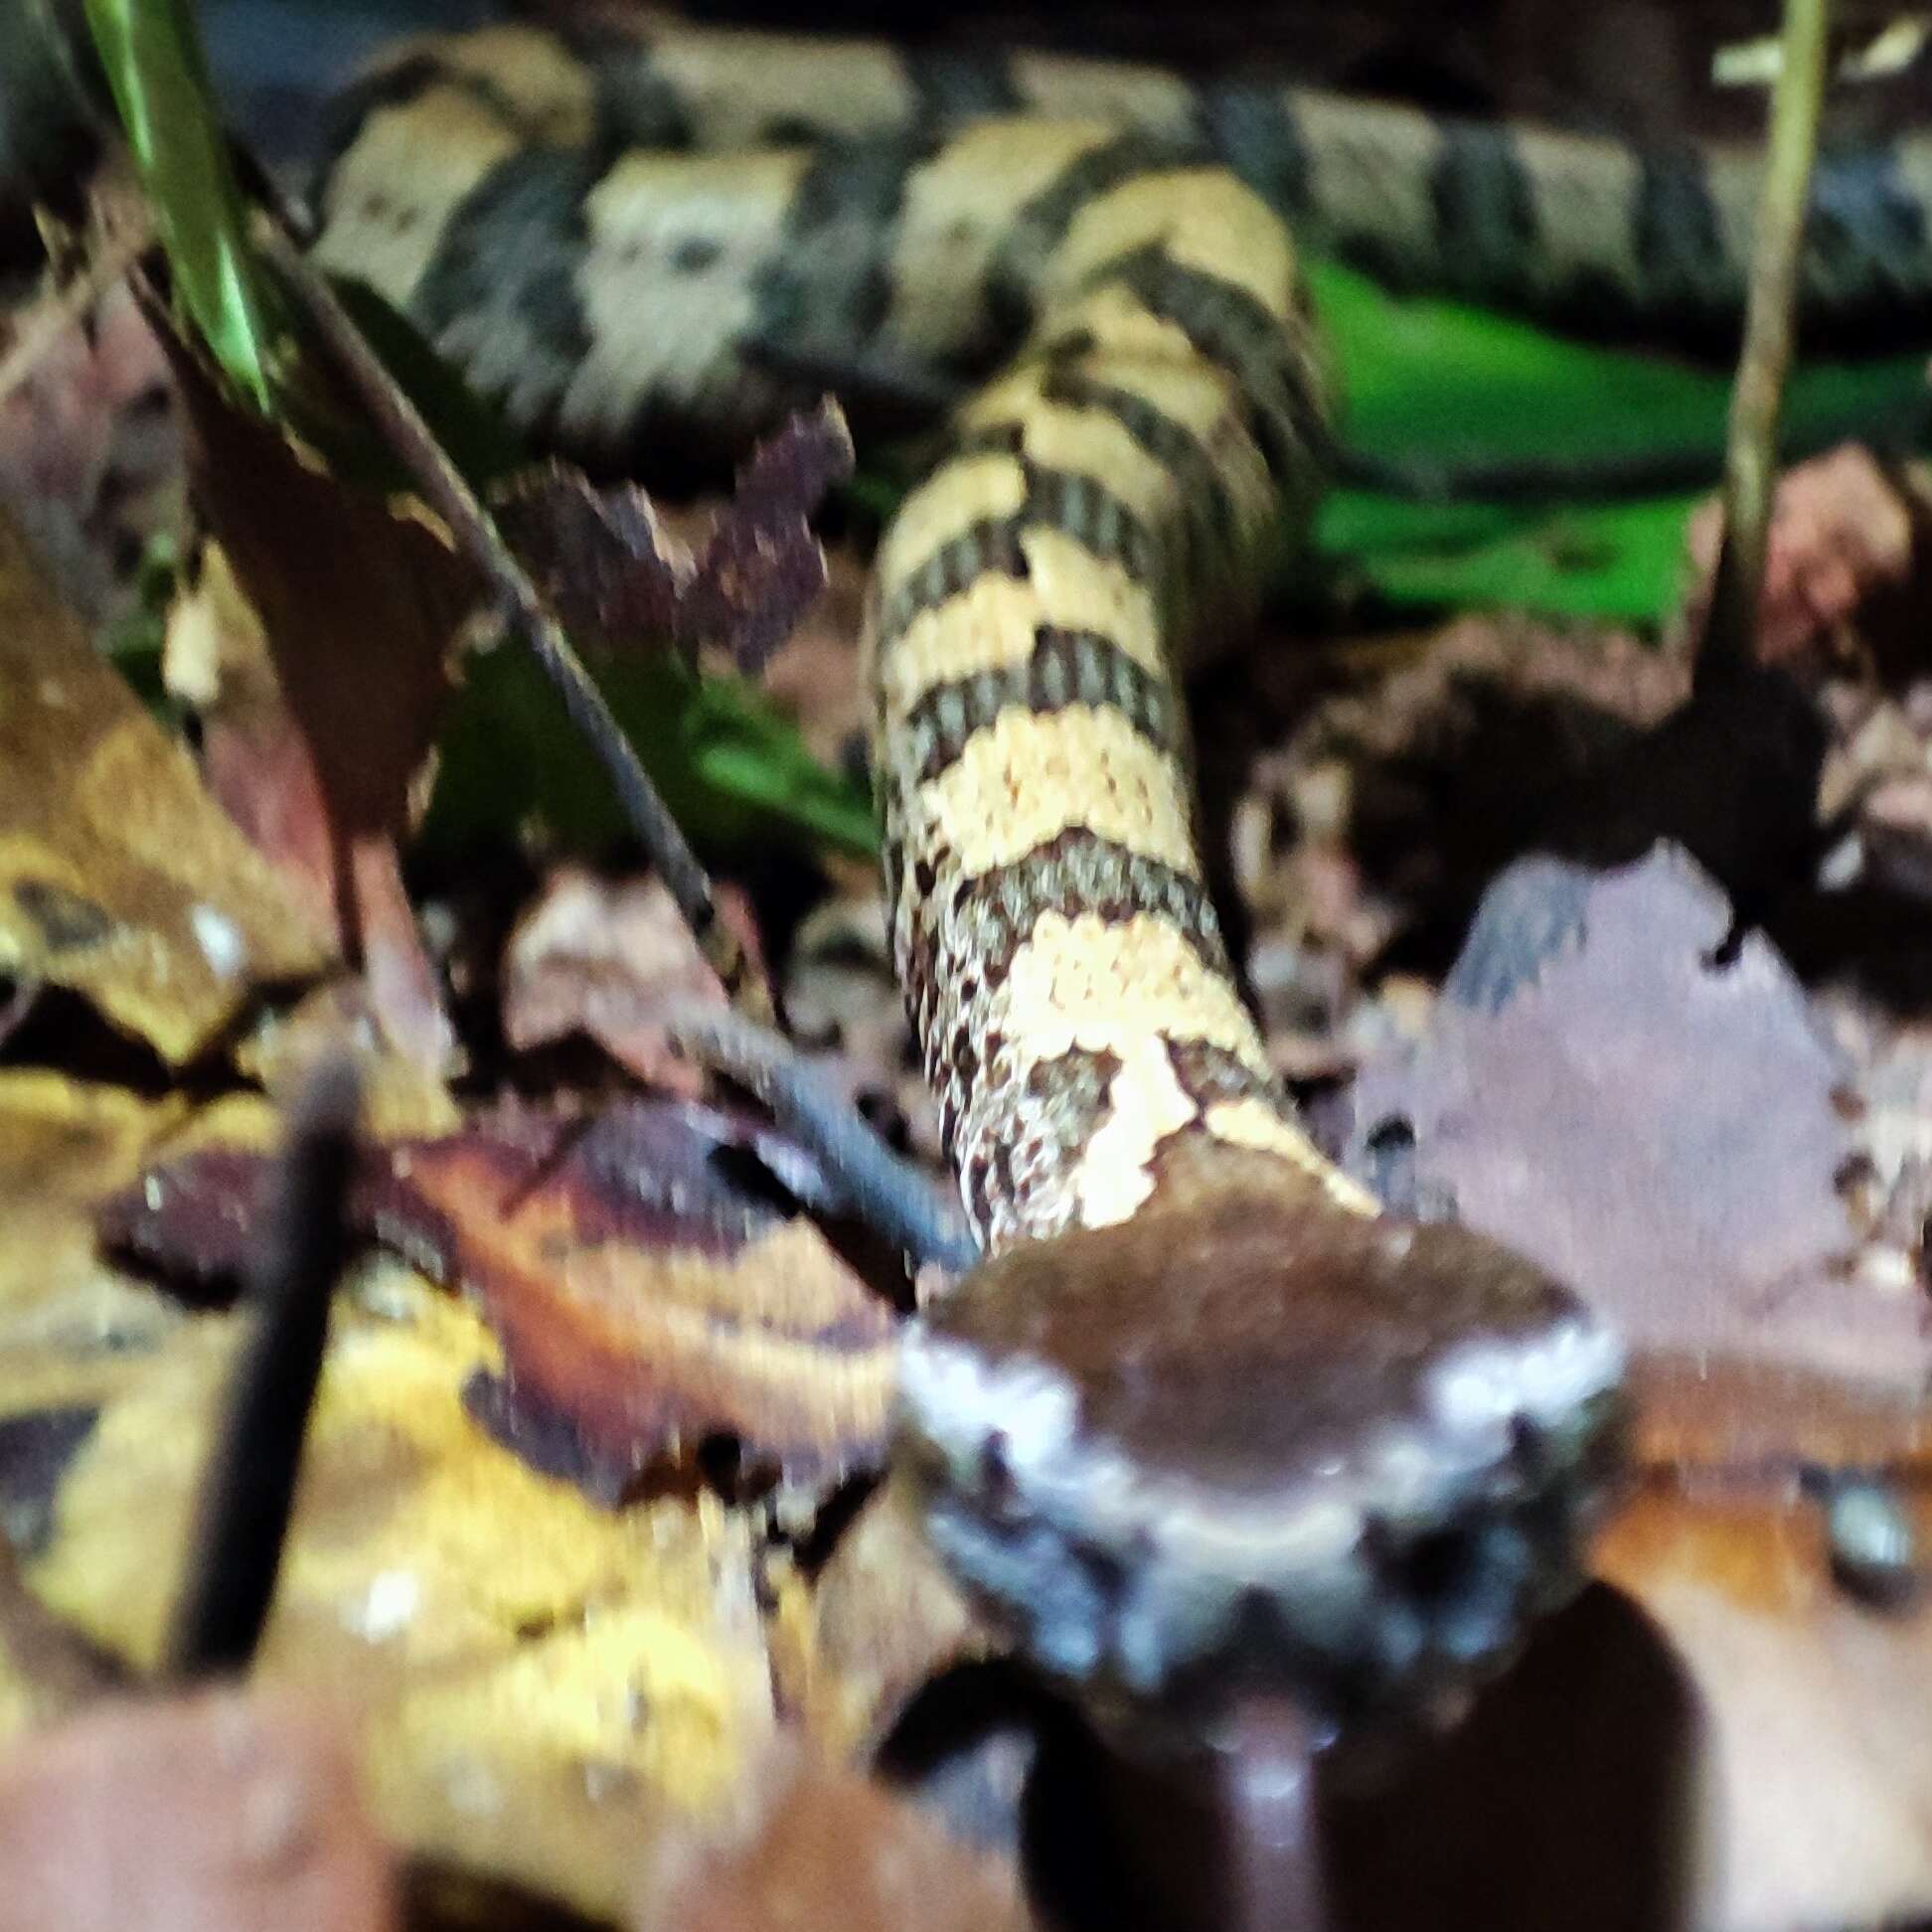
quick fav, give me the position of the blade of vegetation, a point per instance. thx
(154, 63)
(724, 749)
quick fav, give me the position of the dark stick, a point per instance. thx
(397, 420)
(1757, 396)
(251, 1482)
(888, 1193)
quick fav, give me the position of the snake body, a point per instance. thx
(1149, 420)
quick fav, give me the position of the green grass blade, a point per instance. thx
(155, 66)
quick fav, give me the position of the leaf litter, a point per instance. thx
(518, 1564)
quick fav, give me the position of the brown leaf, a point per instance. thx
(327, 701)
(815, 676)
(619, 579)
(842, 1003)
(1429, 776)
(1418, 766)
(879, 1620)
(222, 1810)
(399, 1095)
(192, 1221)
(118, 876)
(640, 1327)
(1666, 1123)
(817, 1848)
(538, 1683)
(1763, 1423)
(607, 959)
(1660, 1126)
(647, 1296)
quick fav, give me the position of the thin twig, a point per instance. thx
(250, 1487)
(884, 1190)
(1757, 396)
(397, 422)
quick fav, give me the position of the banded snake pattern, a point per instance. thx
(1201, 1411)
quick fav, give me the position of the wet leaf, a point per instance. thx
(119, 876)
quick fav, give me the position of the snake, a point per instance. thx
(1201, 1415)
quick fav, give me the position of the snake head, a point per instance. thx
(1248, 1440)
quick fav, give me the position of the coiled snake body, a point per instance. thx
(1200, 1412)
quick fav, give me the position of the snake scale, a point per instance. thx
(1201, 1410)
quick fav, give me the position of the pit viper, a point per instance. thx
(1201, 1403)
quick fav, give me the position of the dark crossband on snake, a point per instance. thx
(1201, 1415)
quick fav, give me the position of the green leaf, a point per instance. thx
(1622, 561)
(731, 767)
(1453, 384)
(154, 63)
(1438, 385)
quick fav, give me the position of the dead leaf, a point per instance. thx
(1761, 1423)
(844, 1005)
(619, 581)
(606, 960)
(647, 1296)
(399, 1095)
(881, 1618)
(815, 676)
(640, 1314)
(332, 648)
(504, 1649)
(820, 1850)
(222, 1810)
(119, 876)
(89, 441)
(1661, 1125)
(194, 1221)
